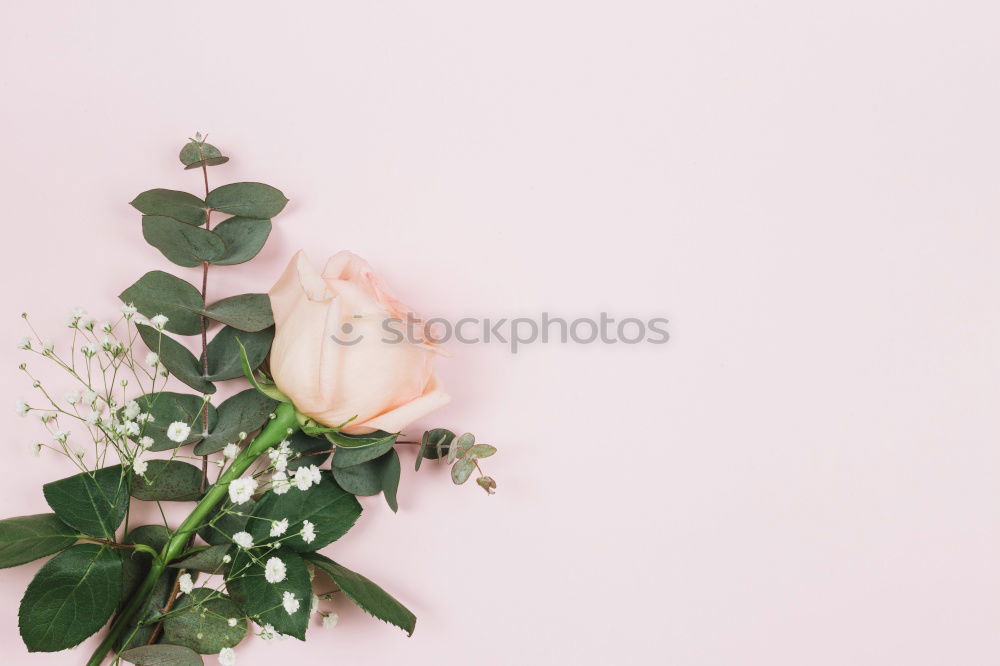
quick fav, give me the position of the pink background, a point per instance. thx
(806, 474)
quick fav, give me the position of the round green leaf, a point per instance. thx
(194, 154)
(332, 510)
(168, 407)
(27, 538)
(93, 502)
(70, 598)
(157, 292)
(261, 600)
(224, 360)
(434, 444)
(244, 237)
(168, 481)
(181, 243)
(172, 203)
(247, 312)
(246, 412)
(199, 620)
(247, 199)
(162, 655)
(461, 470)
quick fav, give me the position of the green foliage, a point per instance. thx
(70, 598)
(136, 565)
(181, 243)
(367, 595)
(434, 445)
(261, 600)
(332, 510)
(199, 621)
(27, 538)
(461, 470)
(244, 237)
(196, 154)
(303, 447)
(157, 292)
(94, 503)
(247, 199)
(245, 412)
(176, 358)
(168, 481)
(171, 203)
(168, 407)
(208, 560)
(372, 477)
(224, 353)
(262, 384)
(224, 524)
(162, 655)
(247, 312)
(356, 449)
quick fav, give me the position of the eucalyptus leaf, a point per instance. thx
(434, 444)
(367, 595)
(167, 407)
(246, 412)
(168, 481)
(262, 600)
(305, 450)
(172, 203)
(199, 620)
(70, 598)
(194, 154)
(181, 243)
(461, 470)
(162, 655)
(371, 477)
(224, 354)
(177, 359)
(356, 449)
(247, 312)
(247, 199)
(461, 447)
(243, 237)
(210, 560)
(93, 502)
(482, 451)
(331, 510)
(157, 293)
(27, 538)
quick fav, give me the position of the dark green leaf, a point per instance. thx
(168, 407)
(27, 538)
(181, 243)
(70, 598)
(157, 292)
(390, 478)
(302, 446)
(194, 153)
(246, 412)
(461, 470)
(199, 621)
(371, 477)
(247, 312)
(136, 566)
(262, 600)
(209, 560)
(168, 481)
(220, 530)
(244, 237)
(247, 199)
(331, 509)
(356, 449)
(434, 444)
(171, 203)
(262, 383)
(94, 503)
(176, 358)
(162, 655)
(370, 597)
(224, 354)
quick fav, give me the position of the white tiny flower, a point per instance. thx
(146, 442)
(159, 321)
(313, 604)
(93, 417)
(231, 451)
(132, 410)
(139, 467)
(178, 431)
(152, 359)
(89, 349)
(232, 621)
(185, 582)
(128, 311)
(290, 603)
(308, 531)
(227, 656)
(267, 633)
(315, 474)
(47, 416)
(279, 527)
(274, 570)
(21, 408)
(131, 428)
(241, 490)
(74, 316)
(303, 478)
(72, 397)
(226, 559)
(25, 343)
(89, 397)
(48, 346)
(61, 436)
(145, 417)
(243, 540)
(36, 449)
(330, 620)
(243, 436)
(280, 483)
(106, 326)
(79, 453)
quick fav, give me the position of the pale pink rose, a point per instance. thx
(385, 385)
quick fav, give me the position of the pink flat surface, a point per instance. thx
(806, 474)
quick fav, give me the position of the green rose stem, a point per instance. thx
(273, 433)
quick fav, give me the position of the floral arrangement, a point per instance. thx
(272, 472)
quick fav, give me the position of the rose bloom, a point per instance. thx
(333, 357)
